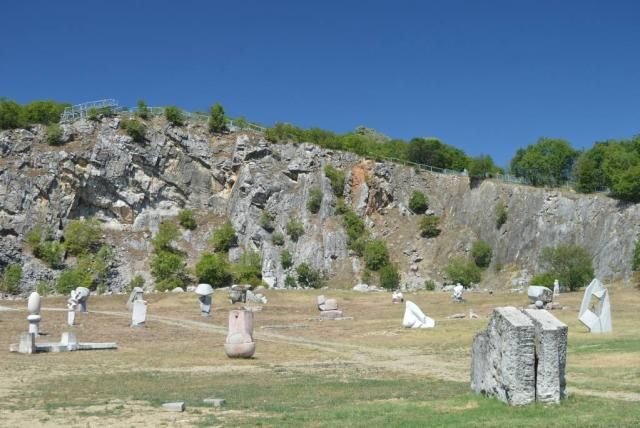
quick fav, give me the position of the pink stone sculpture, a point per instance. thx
(240, 343)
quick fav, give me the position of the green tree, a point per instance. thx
(309, 277)
(136, 281)
(168, 270)
(547, 163)
(570, 264)
(430, 226)
(635, 262)
(315, 200)
(376, 254)
(481, 253)
(482, 166)
(53, 134)
(134, 129)
(337, 179)
(217, 119)
(143, 110)
(463, 271)
(389, 277)
(42, 112)
(70, 279)
(174, 115)
(295, 229)
(10, 114)
(51, 252)
(290, 281)
(418, 202)
(82, 236)
(249, 269)
(431, 151)
(167, 233)
(213, 269)
(224, 238)
(286, 259)
(11, 277)
(187, 219)
(501, 214)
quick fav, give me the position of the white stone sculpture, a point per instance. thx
(139, 313)
(556, 288)
(537, 292)
(595, 310)
(397, 297)
(458, 291)
(33, 306)
(81, 295)
(204, 291)
(237, 293)
(136, 294)
(415, 318)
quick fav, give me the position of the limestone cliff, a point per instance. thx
(132, 187)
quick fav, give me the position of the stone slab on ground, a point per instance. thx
(215, 402)
(177, 406)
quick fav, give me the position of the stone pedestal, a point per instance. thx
(205, 305)
(34, 321)
(71, 317)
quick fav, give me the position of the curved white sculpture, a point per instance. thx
(204, 290)
(34, 303)
(415, 318)
(596, 316)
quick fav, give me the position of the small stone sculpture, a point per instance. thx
(397, 297)
(81, 295)
(415, 318)
(33, 306)
(138, 307)
(204, 291)
(521, 357)
(458, 291)
(328, 308)
(536, 292)
(556, 288)
(596, 314)
(259, 298)
(72, 306)
(240, 343)
(237, 293)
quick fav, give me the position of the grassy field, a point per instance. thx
(367, 371)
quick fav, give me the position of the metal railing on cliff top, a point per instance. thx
(84, 110)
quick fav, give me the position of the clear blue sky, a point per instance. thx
(485, 76)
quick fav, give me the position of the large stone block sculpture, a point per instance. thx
(595, 310)
(328, 308)
(415, 318)
(521, 357)
(240, 343)
(538, 293)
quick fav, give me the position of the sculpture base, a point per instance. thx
(240, 350)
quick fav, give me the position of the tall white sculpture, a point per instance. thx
(33, 306)
(415, 318)
(458, 291)
(138, 307)
(595, 310)
(556, 288)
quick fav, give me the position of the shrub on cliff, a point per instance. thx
(224, 237)
(481, 253)
(418, 203)
(463, 271)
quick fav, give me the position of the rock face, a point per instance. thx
(521, 357)
(132, 187)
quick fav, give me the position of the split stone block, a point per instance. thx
(330, 315)
(521, 357)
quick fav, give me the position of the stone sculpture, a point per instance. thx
(81, 295)
(556, 288)
(33, 306)
(521, 357)
(595, 310)
(397, 297)
(138, 307)
(204, 291)
(259, 298)
(237, 293)
(458, 291)
(240, 343)
(72, 306)
(328, 308)
(68, 342)
(136, 294)
(539, 293)
(415, 318)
